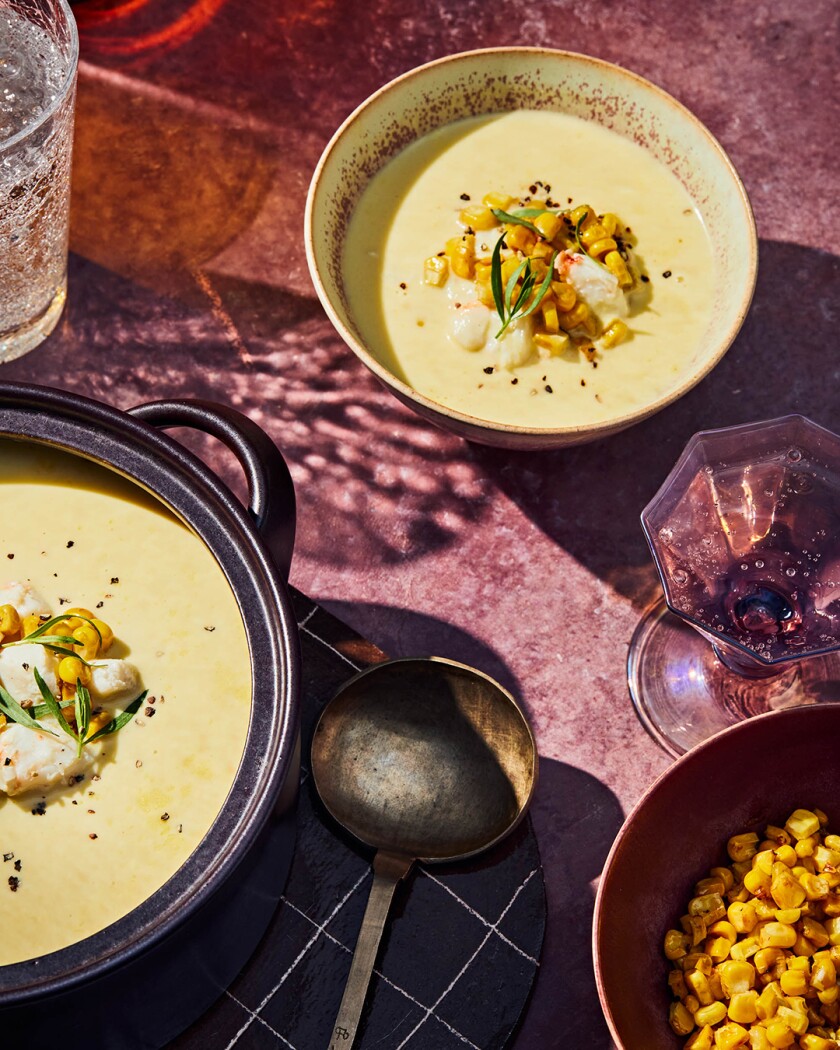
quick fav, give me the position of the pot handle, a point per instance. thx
(270, 488)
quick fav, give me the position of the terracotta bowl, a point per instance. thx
(754, 773)
(503, 79)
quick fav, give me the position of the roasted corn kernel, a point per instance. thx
(500, 201)
(802, 823)
(703, 1039)
(767, 976)
(435, 270)
(9, 620)
(616, 332)
(75, 617)
(97, 722)
(712, 1014)
(71, 669)
(554, 344)
(478, 217)
(680, 1019)
(617, 266)
(460, 251)
(548, 224)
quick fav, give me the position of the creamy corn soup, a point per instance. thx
(74, 859)
(410, 210)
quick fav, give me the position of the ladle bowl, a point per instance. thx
(421, 759)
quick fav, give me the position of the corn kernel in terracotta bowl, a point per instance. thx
(772, 778)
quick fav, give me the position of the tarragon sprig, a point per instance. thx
(519, 217)
(513, 305)
(82, 709)
(55, 642)
(17, 713)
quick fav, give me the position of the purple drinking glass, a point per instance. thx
(745, 534)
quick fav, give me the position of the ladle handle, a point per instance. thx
(388, 870)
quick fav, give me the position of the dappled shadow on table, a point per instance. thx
(389, 487)
(575, 820)
(588, 499)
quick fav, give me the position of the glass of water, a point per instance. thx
(39, 51)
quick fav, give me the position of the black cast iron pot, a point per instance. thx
(143, 979)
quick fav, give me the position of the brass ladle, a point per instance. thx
(423, 760)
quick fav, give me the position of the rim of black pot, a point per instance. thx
(164, 468)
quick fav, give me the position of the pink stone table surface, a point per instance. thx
(199, 123)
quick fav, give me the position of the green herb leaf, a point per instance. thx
(511, 285)
(83, 710)
(38, 633)
(51, 705)
(515, 220)
(543, 288)
(510, 310)
(532, 213)
(50, 639)
(578, 225)
(12, 709)
(527, 285)
(51, 642)
(581, 248)
(64, 652)
(121, 719)
(496, 278)
(41, 709)
(44, 627)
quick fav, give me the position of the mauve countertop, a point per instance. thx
(199, 123)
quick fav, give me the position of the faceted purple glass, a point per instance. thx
(745, 533)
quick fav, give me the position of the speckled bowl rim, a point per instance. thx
(409, 393)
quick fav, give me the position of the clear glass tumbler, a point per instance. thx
(39, 51)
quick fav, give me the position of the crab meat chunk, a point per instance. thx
(111, 678)
(594, 284)
(469, 324)
(25, 599)
(30, 759)
(17, 666)
(516, 346)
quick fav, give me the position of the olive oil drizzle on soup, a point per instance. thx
(410, 210)
(76, 859)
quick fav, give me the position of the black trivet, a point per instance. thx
(460, 950)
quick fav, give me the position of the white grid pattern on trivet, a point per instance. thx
(262, 1021)
(308, 617)
(481, 918)
(382, 977)
(318, 638)
(301, 954)
(429, 1011)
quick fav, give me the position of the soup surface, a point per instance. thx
(410, 209)
(75, 859)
